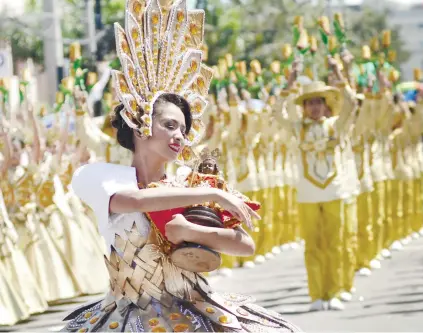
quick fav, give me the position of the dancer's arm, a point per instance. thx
(65, 133)
(37, 152)
(234, 242)
(164, 198)
(295, 71)
(347, 105)
(107, 185)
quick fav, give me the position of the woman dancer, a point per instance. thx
(159, 119)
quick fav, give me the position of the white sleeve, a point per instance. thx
(96, 183)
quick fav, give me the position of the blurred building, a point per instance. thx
(12, 8)
(411, 22)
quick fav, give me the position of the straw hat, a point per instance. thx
(319, 89)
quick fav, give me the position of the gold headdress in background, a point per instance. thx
(206, 154)
(160, 50)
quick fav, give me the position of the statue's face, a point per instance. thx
(208, 167)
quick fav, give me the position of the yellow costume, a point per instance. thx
(291, 158)
(276, 178)
(320, 190)
(12, 305)
(361, 147)
(231, 122)
(268, 184)
(288, 150)
(378, 167)
(416, 150)
(16, 266)
(402, 175)
(47, 262)
(399, 201)
(247, 175)
(102, 145)
(56, 214)
(79, 212)
(352, 189)
(262, 194)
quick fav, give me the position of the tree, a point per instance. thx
(246, 28)
(368, 24)
(26, 32)
(25, 45)
(250, 30)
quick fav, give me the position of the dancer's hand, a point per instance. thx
(333, 63)
(347, 57)
(296, 69)
(177, 229)
(238, 208)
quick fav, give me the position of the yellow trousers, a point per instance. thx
(269, 230)
(255, 233)
(228, 261)
(388, 231)
(408, 207)
(365, 230)
(289, 216)
(322, 228)
(378, 204)
(265, 224)
(418, 213)
(296, 218)
(278, 215)
(397, 193)
(349, 245)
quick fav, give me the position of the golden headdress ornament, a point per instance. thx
(160, 50)
(206, 154)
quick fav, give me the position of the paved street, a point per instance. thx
(391, 300)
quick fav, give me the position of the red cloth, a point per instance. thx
(160, 218)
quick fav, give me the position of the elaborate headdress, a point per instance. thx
(160, 50)
(206, 154)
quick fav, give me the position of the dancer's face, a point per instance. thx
(168, 133)
(315, 108)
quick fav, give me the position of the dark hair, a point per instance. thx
(396, 98)
(125, 133)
